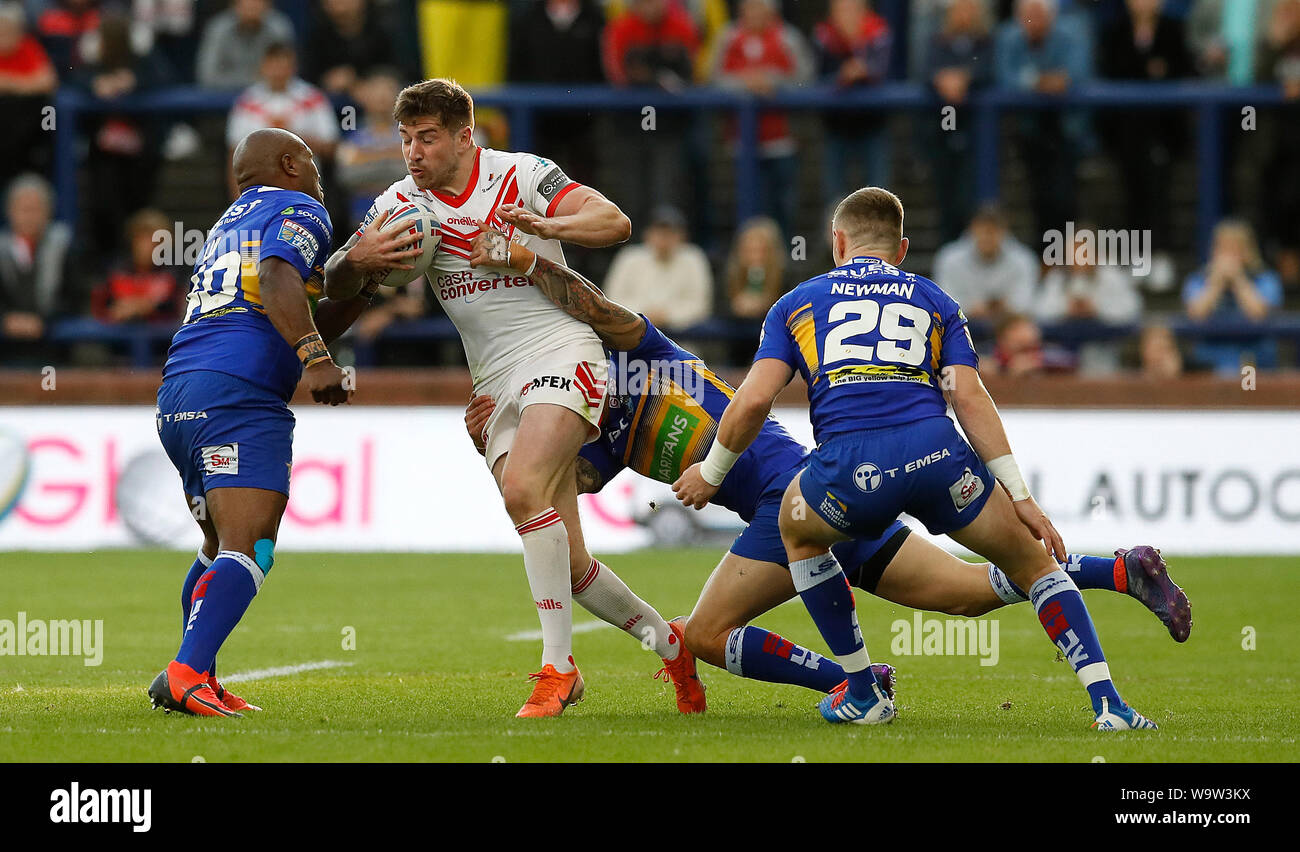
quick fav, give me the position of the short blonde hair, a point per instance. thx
(871, 216)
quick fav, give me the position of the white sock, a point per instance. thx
(605, 596)
(546, 561)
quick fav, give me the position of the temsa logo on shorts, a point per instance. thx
(457, 285)
(547, 382)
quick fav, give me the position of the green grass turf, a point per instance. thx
(432, 677)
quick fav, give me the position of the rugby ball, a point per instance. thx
(412, 218)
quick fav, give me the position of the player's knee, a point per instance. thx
(706, 642)
(524, 496)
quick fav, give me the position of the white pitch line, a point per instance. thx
(281, 671)
(535, 635)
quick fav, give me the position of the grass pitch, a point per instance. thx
(418, 666)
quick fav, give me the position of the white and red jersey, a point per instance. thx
(502, 318)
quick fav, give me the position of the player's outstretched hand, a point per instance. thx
(527, 221)
(1040, 527)
(692, 490)
(477, 413)
(328, 383)
(379, 250)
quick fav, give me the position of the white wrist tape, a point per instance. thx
(717, 464)
(1008, 473)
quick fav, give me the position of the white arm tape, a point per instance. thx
(717, 464)
(1008, 473)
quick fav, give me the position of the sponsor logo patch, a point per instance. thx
(552, 182)
(834, 510)
(301, 239)
(965, 490)
(221, 458)
(866, 477)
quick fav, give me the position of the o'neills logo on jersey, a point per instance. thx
(458, 285)
(461, 220)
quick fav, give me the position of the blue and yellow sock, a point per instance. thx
(1063, 615)
(221, 596)
(1088, 572)
(1097, 572)
(759, 654)
(201, 564)
(825, 591)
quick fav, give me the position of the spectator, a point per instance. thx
(281, 99)
(1035, 54)
(756, 269)
(987, 271)
(1159, 354)
(666, 278)
(1146, 44)
(25, 67)
(1087, 291)
(138, 290)
(1280, 177)
(370, 156)
(171, 24)
(235, 41)
(558, 41)
(760, 54)
(1233, 286)
(1018, 349)
(652, 44)
(958, 61)
(1224, 36)
(125, 147)
(346, 41)
(61, 27)
(35, 266)
(26, 80)
(853, 45)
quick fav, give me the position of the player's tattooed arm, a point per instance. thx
(589, 479)
(617, 327)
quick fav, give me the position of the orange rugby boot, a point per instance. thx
(180, 688)
(552, 692)
(681, 671)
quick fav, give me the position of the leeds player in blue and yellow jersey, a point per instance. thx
(665, 404)
(883, 352)
(254, 325)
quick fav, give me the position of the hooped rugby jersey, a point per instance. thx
(871, 341)
(665, 405)
(226, 328)
(502, 318)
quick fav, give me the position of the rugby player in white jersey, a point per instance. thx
(546, 370)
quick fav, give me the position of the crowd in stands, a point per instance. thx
(329, 70)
